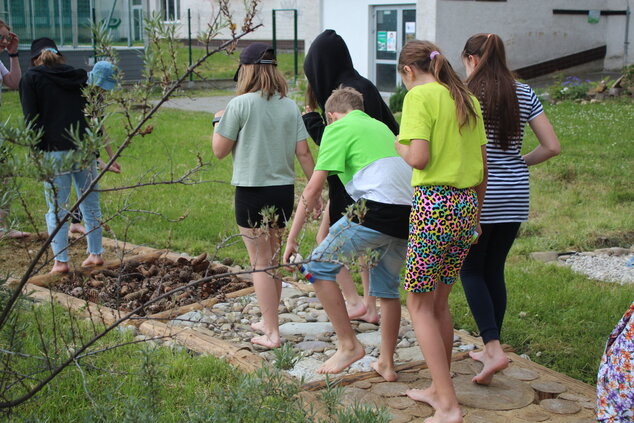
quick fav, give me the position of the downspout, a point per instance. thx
(626, 44)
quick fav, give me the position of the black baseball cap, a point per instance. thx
(252, 55)
(43, 44)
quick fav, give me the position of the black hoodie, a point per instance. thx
(52, 99)
(327, 65)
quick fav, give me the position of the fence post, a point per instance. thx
(274, 33)
(189, 38)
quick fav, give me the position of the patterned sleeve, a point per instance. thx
(536, 106)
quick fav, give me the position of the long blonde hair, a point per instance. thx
(418, 54)
(262, 77)
(47, 58)
(3, 24)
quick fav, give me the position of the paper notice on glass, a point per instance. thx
(391, 40)
(594, 16)
(381, 41)
(410, 27)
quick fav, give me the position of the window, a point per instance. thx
(171, 10)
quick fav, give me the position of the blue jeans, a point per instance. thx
(57, 198)
(347, 239)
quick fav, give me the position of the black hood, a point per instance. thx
(327, 65)
(64, 76)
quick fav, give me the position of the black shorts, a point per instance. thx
(339, 199)
(249, 202)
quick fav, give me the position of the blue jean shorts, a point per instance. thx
(348, 240)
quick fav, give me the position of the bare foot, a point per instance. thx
(258, 326)
(266, 341)
(342, 359)
(77, 228)
(355, 311)
(13, 234)
(477, 355)
(493, 363)
(93, 260)
(454, 415)
(427, 395)
(370, 317)
(60, 267)
(386, 370)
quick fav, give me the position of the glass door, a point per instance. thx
(393, 26)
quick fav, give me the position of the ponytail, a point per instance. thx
(493, 84)
(427, 58)
(47, 58)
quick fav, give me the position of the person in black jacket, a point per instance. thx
(328, 66)
(52, 100)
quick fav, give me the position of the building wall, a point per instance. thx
(530, 30)
(202, 11)
(351, 20)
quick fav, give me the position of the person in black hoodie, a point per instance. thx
(328, 66)
(52, 100)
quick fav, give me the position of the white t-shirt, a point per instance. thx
(3, 71)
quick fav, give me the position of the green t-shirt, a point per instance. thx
(455, 156)
(266, 134)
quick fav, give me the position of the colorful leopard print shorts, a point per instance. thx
(441, 227)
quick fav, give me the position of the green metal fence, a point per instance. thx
(68, 21)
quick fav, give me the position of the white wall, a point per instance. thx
(530, 30)
(202, 12)
(351, 20)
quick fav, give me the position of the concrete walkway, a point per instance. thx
(199, 104)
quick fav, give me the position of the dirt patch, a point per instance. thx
(135, 283)
(16, 255)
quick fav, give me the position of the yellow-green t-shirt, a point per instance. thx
(455, 156)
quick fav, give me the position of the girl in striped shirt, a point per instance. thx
(507, 106)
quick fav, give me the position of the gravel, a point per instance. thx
(605, 268)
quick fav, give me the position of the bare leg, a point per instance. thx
(77, 228)
(9, 233)
(429, 333)
(349, 349)
(494, 360)
(260, 254)
(390, 324)
(371, 315)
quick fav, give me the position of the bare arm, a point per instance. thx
(221, 145)
(548, 143)
(115, 167)
(305, 158)
(309, 199)
(12, 79)
(416, 154)
(481, 188)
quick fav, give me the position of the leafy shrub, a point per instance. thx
(569, 88)
(396, 99)
(628, 77)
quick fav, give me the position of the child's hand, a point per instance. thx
(289, 251)
(476, 235)
(307, 109)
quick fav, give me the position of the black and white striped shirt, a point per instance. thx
(507, 195)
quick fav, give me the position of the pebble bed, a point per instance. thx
(605, 264)
(304, 323)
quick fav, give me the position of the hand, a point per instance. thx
(307, 109)
(478, 233)
(319, 207)
(12, 47)
(115, 167)
(290, 250)
(219, 113)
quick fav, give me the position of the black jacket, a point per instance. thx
(327, 65)
(52, 99)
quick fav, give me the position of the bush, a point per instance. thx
(396, 99)
(628, 77)
(569, 88)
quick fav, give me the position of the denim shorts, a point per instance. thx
(348, 240)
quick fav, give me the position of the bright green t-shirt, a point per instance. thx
(266, 133)
(455, 156)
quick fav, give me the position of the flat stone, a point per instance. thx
(314, 329)
(290, 317)
(545, 256)
(352, 396)
(404, 343)
(370, 338)
(462, 368)
(399, 417)
(420, 410)
(407, 377)
(362, 384)
(390, 389)
(549, 387)
(291, 293)
(367, 327)
(188, 319)
(409, 354)
(401, 403)
(558, 406)
(307, 368)
(520, 373)
(569, 396)
(532, 413)
(481, 416)
(503, 393)
(362, 365)
(466, 347)
(312, 346)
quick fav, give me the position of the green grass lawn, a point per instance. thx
(582, 199)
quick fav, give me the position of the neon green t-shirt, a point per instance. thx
(455, 156)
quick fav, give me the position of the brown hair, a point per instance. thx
(262, 77)
(310, 99)
(344, 99)
(494, 85)
(47, 58)
(417, 53)
(3, 24)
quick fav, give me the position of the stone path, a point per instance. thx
(199, 104)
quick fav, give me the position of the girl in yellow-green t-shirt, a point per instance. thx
(442, 137)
